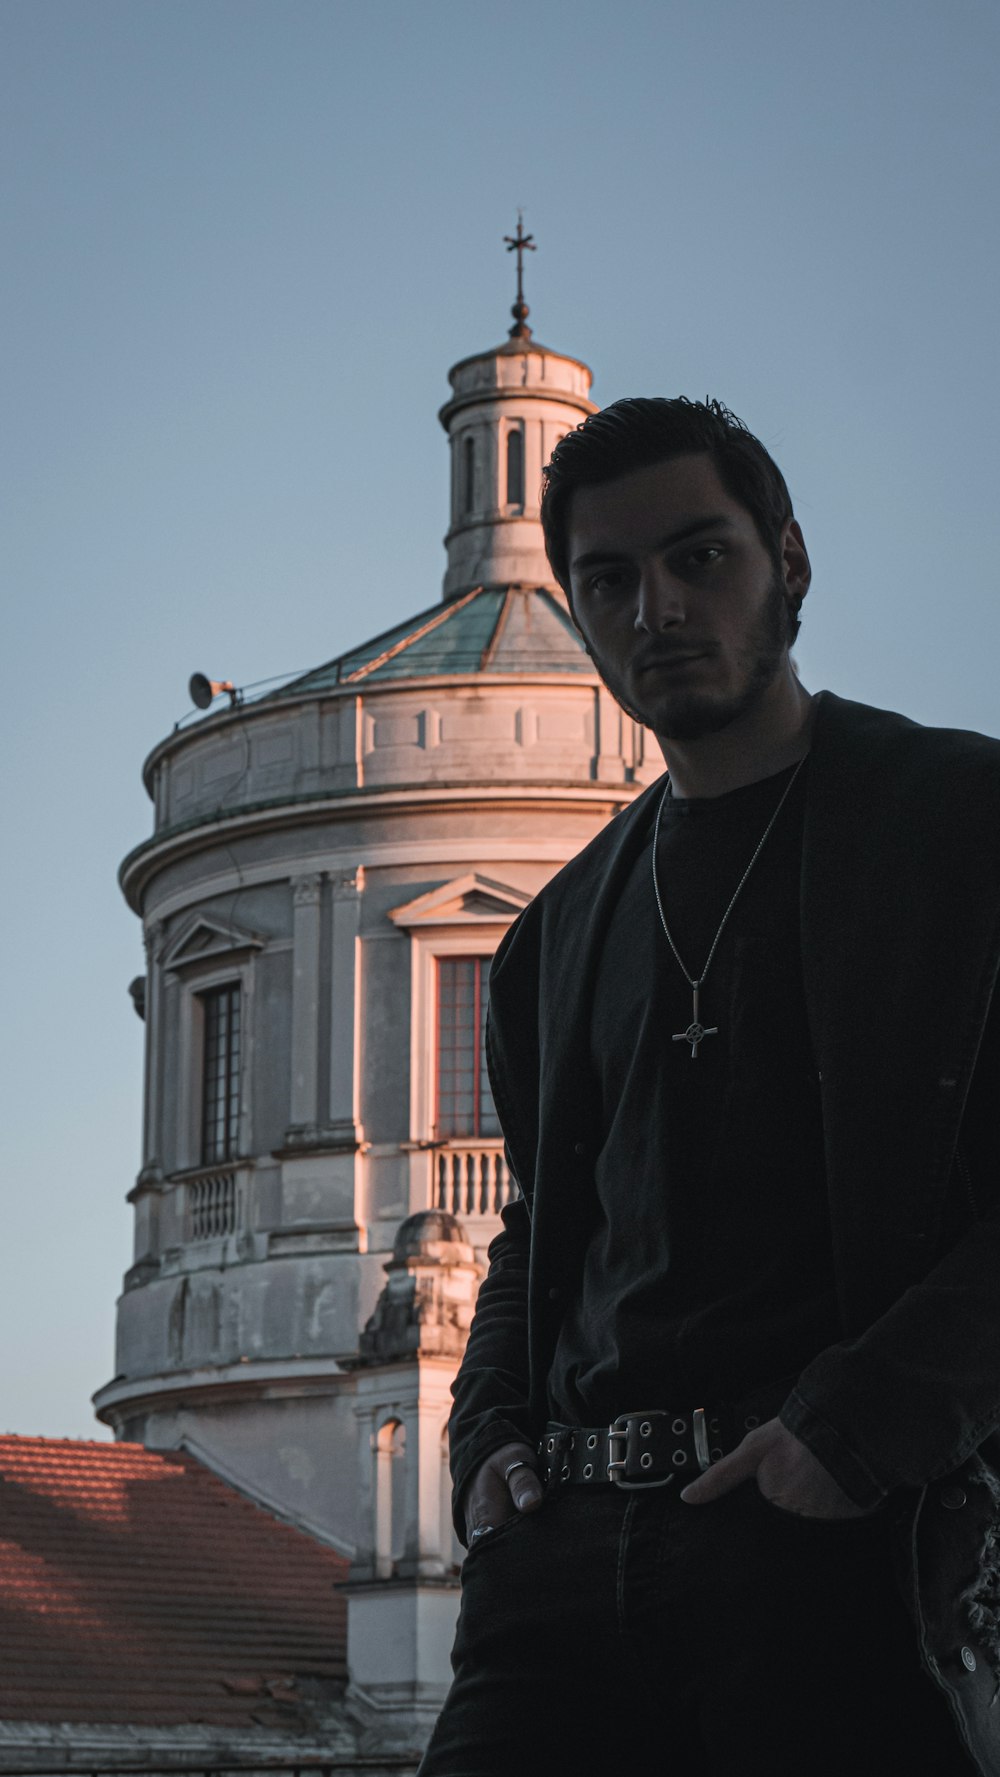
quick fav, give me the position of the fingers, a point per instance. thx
(487, 1504)
(506, 1483)
(732, 1470)
(523, 1484)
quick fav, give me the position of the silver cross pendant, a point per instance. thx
(696, 1032)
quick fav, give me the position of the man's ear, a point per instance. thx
(796, 571)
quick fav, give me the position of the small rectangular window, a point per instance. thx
(468, 475)
(515, 469)
(464, 1100)
(220, 1116)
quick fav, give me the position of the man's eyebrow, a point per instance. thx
(720, 521)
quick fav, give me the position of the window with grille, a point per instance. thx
(515, 469)
(220, 1113)
(464, 1100)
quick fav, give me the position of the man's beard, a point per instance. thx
(688, 714)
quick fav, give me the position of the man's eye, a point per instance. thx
(610, 581)
(703, 557)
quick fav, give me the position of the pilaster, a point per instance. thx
(306, 917)
(609, 762)
(152, 1142)
(344, 1127)
(321, 1158)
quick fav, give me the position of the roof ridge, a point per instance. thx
(22, 1437)
(414, 635)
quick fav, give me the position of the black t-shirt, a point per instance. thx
(709, 1271)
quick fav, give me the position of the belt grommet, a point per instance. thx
(715, 1453)
(645, 1429)
(751, 1422)
(564, 1472)
(678, 1427)
(588, 1472)
(679, 1458)
(646, 1459)
(551, 1445)
(592, 1441)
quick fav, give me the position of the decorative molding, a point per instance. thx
(124, 1396)
(466, 900)
(348, 883)
(143, 864)
(426, 1306)
(306, 890)
(424, 854)
(152, 937)
(316, 1138)
(149, 1179)
(298, 1243)
(204, 938)
(142, 1272)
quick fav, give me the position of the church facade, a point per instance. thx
(330, 870)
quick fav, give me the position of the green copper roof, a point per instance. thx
(489, 630)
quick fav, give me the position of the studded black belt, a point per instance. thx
(643, 1449)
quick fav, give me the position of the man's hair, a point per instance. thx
(644, 429)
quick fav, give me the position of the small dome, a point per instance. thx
(429, 1227)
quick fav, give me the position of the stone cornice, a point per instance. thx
(286, 1376)
(173, 843)
(495, 394)
(522, 349)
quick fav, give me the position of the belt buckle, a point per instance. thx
(618, 1432)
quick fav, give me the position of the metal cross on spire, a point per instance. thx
(520, 244)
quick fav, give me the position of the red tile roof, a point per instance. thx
(136, 1587)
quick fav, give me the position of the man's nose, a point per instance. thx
(661, 601)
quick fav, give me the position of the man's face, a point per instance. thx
(677, 598)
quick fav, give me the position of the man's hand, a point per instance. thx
(505, 1484)
(788, 1475)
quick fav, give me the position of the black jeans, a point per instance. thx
(615, 1632)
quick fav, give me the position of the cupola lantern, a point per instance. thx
(509, 408)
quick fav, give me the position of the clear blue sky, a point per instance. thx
(244, 240)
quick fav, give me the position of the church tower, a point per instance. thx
(332, 866)
(508, 410)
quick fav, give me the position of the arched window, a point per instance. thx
(468, 473)
(390, 1497)
(515, 468)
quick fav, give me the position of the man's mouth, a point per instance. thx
(664, 663)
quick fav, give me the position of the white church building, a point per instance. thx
(331, 868)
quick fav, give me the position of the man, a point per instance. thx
(741, 1052)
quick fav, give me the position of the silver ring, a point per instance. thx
(511, 1466)
(480, 1530)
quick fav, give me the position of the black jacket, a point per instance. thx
(900, 948)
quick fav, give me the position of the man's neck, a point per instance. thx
(774, 734)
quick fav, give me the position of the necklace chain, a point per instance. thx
(697, 981)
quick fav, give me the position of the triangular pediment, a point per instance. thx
(466, 900)
(203, 937)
